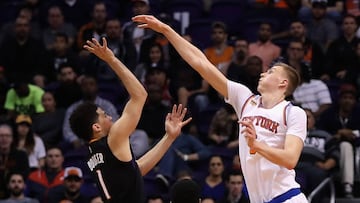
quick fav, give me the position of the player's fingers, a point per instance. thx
(91, 44)
(186, 121)
(173, 112)
(104, 42)
(179, 110)
(96, 42)
(88, 48)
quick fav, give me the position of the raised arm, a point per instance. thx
(191, 54)
(173, 125)
(126, 124)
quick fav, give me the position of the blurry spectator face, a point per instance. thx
(23, 129)
(55, 17)
(89, 87)
(155, 54)
(218, 35)
(347, 101)
(157, 77)
(73, 184)
(140, 8)
(6, 137)
(60, 44)
(22, 28)
(235, 185)
(16, 185)
(297, 30)
(113, 29)
(54, 159)
(99, 13)
(318, 12)
(67, 75)
(264, 32)
(254, 66)
(295, 51)
(349, 26)
(241, 45)
(155, 93)
(216, 166)
(26, 13)
(48, 102)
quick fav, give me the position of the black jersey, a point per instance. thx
(117, 181)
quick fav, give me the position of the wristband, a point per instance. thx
(186, 157)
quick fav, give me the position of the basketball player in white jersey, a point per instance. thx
(272, 132)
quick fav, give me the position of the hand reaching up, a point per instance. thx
(174, 121)
(101, 51)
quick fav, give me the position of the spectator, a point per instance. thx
(223, 129)
(219, 53)
(61, 54)
(12, 160)
(73, 180)
(66, 89)
(334, 9)
(235, 184)
(16, 187)
(22, 53)
(341, 55)
(214, 185)
(47, 185)
(27, 141)
(319, 158)
(134, 34)
(240, 56)
(311, 93)
(320, 29)
(153, 114)
(48, 124)
(313, 53)
(23, 98)
(264, 48)
(93, 29)
(56, 24)
(27, 12)
(155, 58)
(342, 121)
(184, 153)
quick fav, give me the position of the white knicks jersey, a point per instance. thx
(264, 179)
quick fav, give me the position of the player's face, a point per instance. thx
(270, 79)
(105, 120)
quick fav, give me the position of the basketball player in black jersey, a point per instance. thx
(117, 173)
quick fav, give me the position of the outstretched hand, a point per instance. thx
(101, 51)
(149, 21)
(174, 121)
(249, 133)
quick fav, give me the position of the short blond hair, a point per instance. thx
(293, 77)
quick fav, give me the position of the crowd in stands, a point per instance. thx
(45, 74)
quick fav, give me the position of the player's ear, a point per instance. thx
(284, 83)
(96, 127)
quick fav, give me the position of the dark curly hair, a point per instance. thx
(82, 119)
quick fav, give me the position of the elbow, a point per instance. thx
(291, 164)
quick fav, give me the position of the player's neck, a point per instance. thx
(269, 100)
